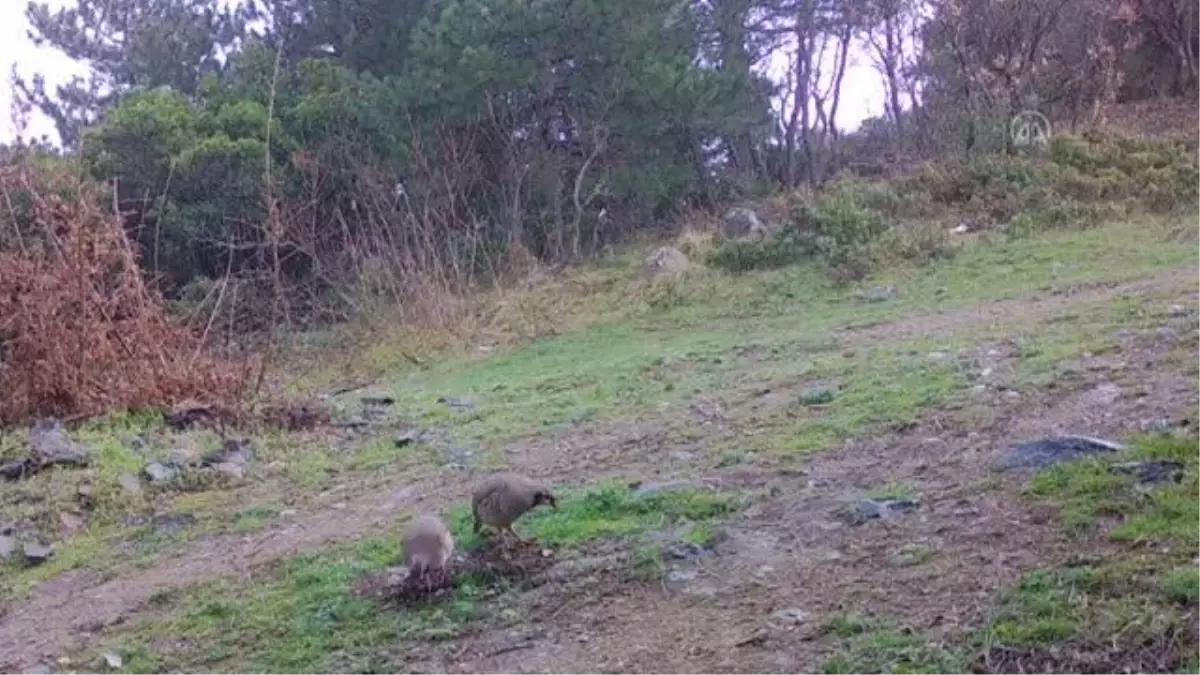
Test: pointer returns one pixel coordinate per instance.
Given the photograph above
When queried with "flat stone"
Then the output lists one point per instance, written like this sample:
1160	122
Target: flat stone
130	483
792	616
868	509
7	546
159	473
36	554
50	444
1046	452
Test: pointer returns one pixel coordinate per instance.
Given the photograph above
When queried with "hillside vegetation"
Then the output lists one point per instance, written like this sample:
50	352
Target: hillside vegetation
810	398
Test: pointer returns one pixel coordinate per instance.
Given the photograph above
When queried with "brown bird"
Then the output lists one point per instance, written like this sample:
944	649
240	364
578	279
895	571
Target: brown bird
427	545
505	497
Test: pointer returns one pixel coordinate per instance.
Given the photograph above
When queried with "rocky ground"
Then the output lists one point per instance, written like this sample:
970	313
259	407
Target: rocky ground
815	480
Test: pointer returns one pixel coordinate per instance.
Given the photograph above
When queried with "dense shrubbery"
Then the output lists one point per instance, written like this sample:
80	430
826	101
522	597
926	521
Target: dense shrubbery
80	332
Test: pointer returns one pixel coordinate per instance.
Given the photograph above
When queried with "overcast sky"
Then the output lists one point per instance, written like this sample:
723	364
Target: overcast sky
862	94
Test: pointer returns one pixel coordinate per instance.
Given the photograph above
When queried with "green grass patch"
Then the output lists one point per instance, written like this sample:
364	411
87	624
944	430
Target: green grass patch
301	617
1087	491
865	646
611	510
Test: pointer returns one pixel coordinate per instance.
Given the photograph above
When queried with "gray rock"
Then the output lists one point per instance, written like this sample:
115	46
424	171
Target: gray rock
742	223
7	546
130	483
792	616
41	668
113	660
867	509
50	444
677	576
1152	471
36	554
879	293
1046	452
233	451
158	473
458	404
665	259
1180	310
231	469
686	550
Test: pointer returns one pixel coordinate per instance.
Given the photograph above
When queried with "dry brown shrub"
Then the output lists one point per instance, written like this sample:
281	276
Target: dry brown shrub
80	332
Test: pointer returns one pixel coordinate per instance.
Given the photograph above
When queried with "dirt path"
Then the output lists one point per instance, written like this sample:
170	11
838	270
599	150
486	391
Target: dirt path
788	552
793	552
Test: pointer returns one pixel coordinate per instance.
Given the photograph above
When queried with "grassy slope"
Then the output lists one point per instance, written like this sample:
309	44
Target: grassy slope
646	353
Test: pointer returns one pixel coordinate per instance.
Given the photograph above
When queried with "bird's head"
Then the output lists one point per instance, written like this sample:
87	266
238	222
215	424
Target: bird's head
545	497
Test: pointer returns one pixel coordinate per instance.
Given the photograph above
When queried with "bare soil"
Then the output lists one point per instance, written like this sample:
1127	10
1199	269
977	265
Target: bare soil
790	550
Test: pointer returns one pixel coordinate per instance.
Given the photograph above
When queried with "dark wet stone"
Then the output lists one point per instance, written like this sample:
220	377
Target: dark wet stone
15	470
1050	451
378	401
1151	472
867	509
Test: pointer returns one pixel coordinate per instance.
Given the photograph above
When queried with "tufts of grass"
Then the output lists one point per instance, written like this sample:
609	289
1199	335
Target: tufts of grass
877	650
1087	491
1182	584
1044	608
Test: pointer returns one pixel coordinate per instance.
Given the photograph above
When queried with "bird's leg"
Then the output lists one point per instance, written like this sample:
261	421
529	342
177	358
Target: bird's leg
510	530
527	542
